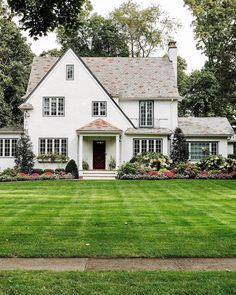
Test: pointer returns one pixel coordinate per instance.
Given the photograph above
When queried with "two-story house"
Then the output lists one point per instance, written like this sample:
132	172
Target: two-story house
94	109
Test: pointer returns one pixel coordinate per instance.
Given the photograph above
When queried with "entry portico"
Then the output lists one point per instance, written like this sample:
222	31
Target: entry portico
98	143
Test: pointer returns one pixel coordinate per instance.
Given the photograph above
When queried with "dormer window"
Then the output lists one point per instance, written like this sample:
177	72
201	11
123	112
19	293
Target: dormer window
146	113
99	108
69	72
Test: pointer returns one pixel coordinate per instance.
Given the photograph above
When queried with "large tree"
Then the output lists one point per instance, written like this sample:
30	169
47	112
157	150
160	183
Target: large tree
15	60
145	29
95	36
41	16
215	30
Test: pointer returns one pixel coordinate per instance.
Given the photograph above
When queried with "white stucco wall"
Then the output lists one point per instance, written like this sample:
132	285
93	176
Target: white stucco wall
165	112
79	95
231	148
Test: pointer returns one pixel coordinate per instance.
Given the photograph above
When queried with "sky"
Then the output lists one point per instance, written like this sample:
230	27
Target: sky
175	8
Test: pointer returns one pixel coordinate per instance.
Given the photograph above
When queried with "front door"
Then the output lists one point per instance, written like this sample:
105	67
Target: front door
99	154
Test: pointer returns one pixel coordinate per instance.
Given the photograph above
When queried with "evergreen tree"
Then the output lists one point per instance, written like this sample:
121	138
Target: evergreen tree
24	158
72	168
179	148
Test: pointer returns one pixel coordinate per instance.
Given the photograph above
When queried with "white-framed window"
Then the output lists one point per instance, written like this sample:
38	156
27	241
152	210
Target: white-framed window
142	145
54	106
8	147
146	113
57	146
201	149
69	72
99	108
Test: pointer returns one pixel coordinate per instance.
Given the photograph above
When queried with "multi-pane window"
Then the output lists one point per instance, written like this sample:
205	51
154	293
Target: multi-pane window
199	150
69	72
53	106
53	146
99	108
147	145
8	147
146	113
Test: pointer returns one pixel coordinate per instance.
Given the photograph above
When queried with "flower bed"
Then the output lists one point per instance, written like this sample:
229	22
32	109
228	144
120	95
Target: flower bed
9	175
153	166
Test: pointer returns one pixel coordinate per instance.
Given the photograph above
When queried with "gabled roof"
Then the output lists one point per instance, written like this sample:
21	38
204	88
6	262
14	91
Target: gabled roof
205	126
126	77
99	125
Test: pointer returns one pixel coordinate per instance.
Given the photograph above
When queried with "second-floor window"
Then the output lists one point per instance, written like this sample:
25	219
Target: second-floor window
8	147
54	106
69	72
53	146
99	108
146	114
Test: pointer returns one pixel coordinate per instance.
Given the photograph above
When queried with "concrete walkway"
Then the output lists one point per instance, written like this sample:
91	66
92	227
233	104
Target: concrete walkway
90	264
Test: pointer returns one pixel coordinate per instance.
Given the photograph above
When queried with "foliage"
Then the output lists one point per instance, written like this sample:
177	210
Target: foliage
52	52
38	171
145	29
52	158
112	163
41	16
15	61
128	168
217	162
95	36
200	92
152	160
182	76
24	157
9	172
179	147
72	168
85	165
215	31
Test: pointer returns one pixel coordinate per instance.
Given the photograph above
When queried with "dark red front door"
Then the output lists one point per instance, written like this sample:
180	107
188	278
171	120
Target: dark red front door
99	156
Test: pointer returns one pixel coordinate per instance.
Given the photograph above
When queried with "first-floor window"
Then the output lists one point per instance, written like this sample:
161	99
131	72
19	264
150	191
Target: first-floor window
54	106
8	147
142	145
199	150
53	146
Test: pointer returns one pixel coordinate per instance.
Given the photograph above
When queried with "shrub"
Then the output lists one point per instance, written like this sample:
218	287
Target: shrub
151	160
191	171
72	168
179	147
217	163
24	157
128	168
212	172
85	165
38	171
180	168
59	170
112	163
232	156
9	172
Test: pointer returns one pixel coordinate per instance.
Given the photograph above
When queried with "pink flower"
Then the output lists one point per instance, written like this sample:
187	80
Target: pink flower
34	175
169	174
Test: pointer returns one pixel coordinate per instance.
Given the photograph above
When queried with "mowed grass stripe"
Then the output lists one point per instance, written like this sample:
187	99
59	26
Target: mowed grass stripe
118	218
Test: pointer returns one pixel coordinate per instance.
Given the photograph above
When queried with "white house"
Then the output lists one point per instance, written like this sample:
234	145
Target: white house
98	109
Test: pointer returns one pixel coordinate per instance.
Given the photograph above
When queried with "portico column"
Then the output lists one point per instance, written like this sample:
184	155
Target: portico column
117	151
81	152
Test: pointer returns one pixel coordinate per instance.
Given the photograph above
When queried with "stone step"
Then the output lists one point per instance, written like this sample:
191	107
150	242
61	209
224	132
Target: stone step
99	175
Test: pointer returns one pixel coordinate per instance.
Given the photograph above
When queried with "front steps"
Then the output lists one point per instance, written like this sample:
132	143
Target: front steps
98	175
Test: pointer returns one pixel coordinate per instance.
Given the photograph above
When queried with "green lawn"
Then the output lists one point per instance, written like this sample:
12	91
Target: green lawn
118	283
118	218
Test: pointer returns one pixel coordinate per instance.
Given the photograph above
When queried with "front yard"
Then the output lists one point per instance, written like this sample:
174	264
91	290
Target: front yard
119	283
184	218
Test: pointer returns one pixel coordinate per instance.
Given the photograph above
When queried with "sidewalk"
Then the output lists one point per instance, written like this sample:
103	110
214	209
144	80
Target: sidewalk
91	264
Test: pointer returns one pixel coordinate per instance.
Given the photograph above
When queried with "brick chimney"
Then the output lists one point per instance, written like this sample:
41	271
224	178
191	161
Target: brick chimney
172	52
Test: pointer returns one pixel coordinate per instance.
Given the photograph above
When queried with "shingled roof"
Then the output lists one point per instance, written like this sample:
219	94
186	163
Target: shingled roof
99	125
205	126
128	78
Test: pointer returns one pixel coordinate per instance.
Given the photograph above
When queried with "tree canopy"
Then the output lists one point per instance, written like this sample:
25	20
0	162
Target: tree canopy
41	16
15	60
145	29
